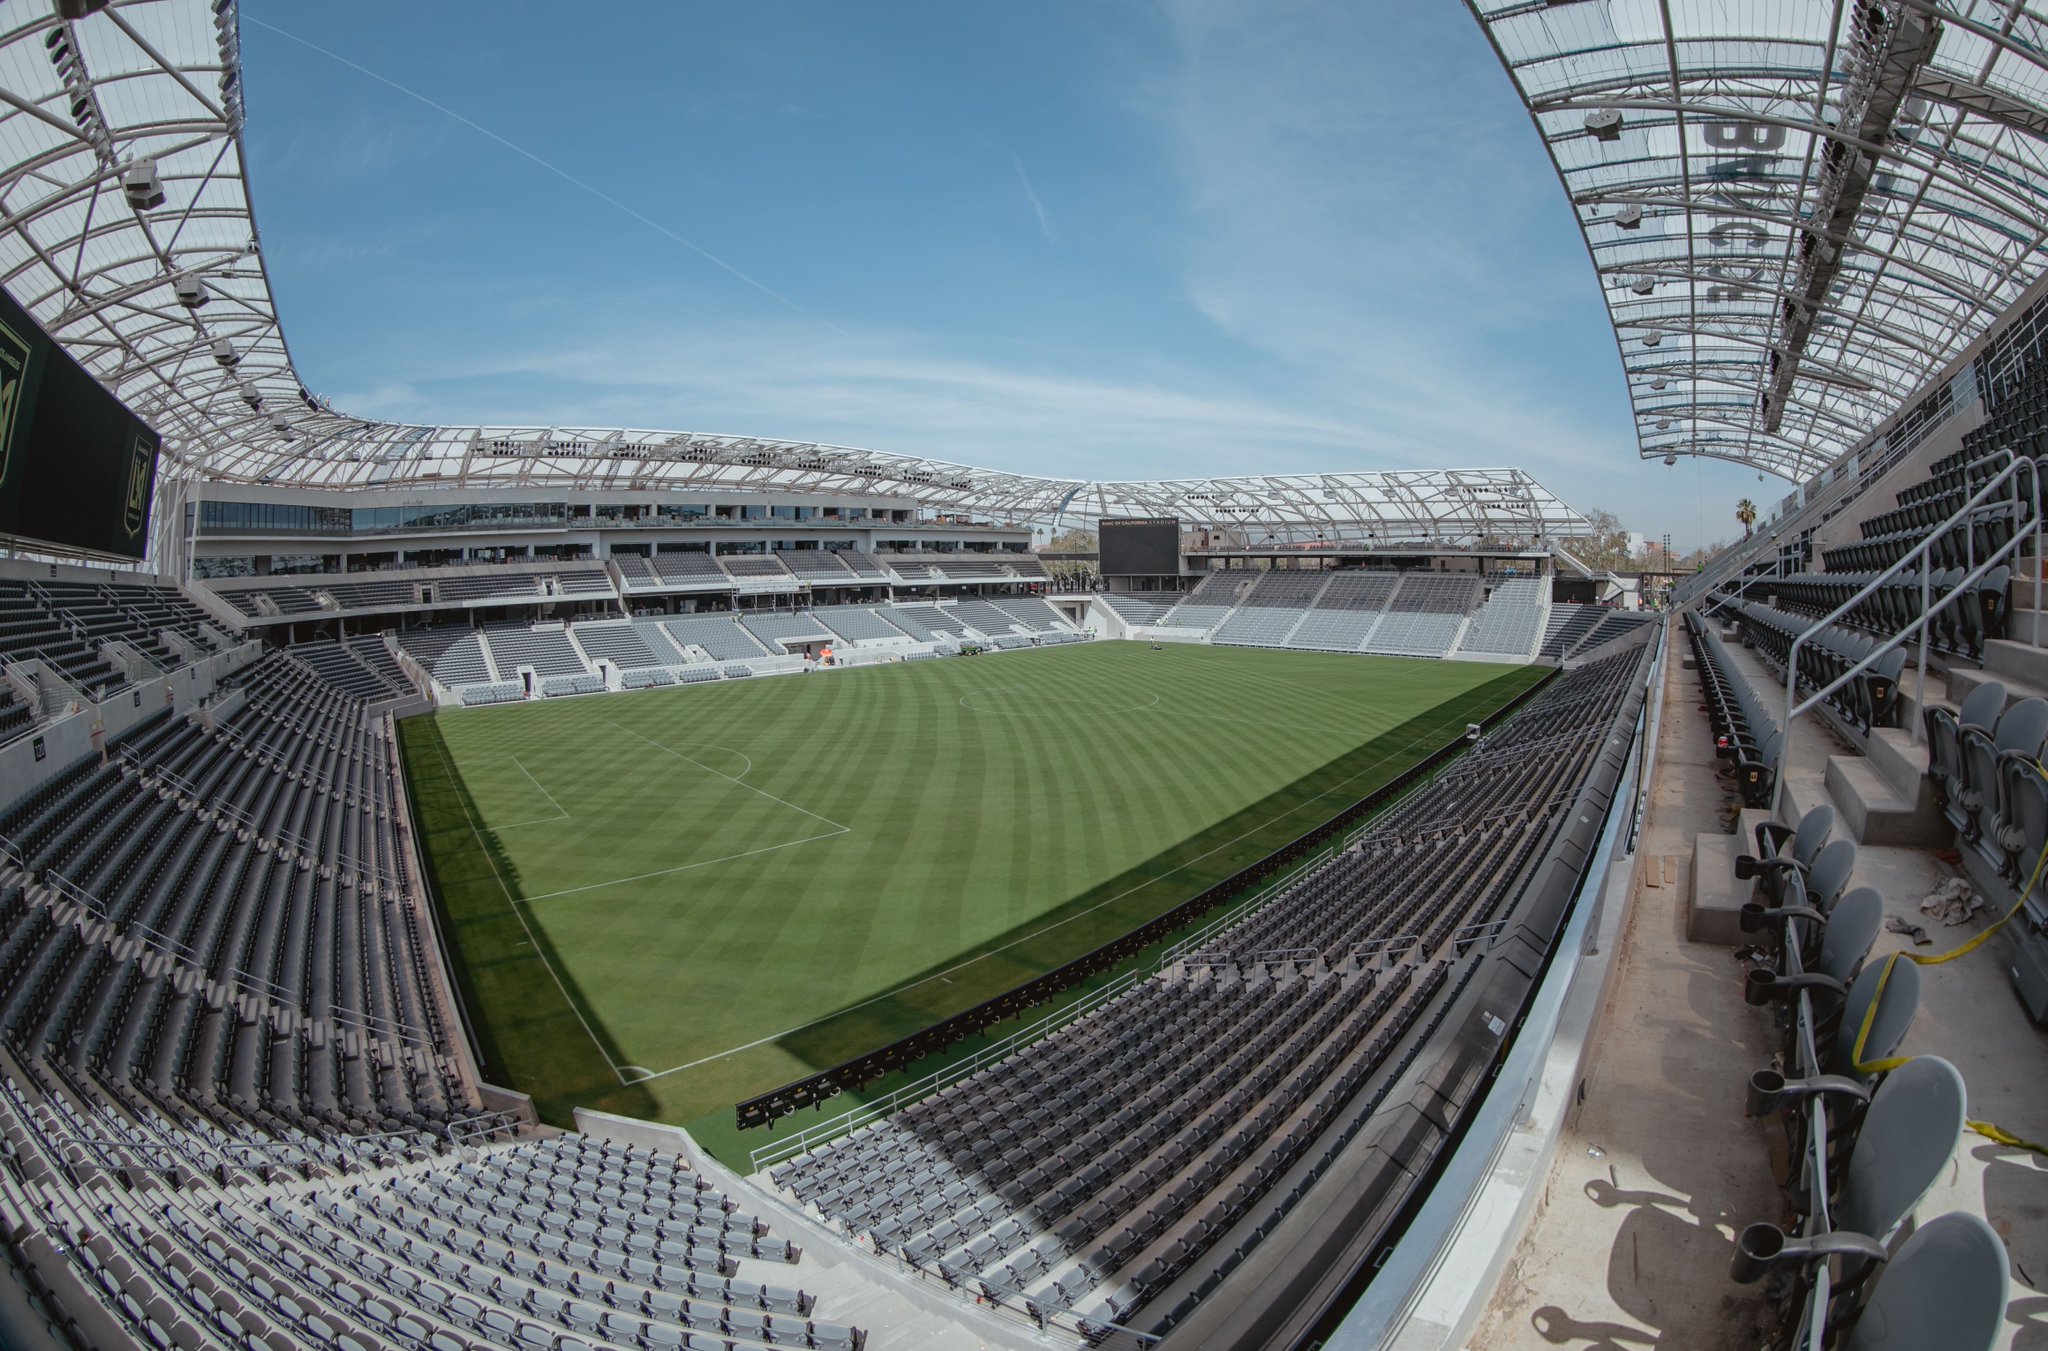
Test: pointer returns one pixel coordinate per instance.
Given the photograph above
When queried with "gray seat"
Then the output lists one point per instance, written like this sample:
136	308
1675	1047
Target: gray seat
2023	832
1829	874
1798	845
1895	1014
1852	928
1906	1140
1944	740
2021	730
1944	1290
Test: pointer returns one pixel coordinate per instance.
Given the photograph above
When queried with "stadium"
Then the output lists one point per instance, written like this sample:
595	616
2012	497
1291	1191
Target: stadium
561	888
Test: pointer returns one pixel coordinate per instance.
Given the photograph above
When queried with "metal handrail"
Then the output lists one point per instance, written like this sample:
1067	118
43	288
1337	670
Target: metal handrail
1191	944
2016	465
855	1117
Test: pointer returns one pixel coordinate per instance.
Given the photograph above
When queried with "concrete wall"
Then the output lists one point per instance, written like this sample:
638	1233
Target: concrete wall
66	740
628	1130
1882	496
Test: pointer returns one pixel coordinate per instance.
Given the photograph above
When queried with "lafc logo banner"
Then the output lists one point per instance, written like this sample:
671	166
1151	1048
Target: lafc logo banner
14	354
141	470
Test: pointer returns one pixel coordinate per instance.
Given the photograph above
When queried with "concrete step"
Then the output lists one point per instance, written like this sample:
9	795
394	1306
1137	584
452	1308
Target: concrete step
2020	624
1714	908
1871	811
2020	661
1804	792
1962	682
2026	593
1901	760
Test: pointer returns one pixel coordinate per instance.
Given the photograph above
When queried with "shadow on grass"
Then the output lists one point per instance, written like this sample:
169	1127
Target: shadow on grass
1098	916
531	1024
538	1034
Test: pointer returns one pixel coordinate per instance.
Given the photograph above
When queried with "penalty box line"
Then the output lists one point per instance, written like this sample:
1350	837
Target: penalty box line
513	902
837	828
561	812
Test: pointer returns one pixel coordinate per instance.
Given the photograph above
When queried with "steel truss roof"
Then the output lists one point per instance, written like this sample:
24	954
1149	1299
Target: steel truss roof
88	107
1799	210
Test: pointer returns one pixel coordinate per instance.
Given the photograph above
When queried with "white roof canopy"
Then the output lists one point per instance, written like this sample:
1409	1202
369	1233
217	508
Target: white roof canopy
1799	210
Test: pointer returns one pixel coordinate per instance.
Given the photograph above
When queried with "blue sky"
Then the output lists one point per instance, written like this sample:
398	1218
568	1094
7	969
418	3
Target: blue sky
1106	238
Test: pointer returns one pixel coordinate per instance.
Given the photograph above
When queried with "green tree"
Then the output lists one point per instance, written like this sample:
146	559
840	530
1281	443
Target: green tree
1745	512
1603	547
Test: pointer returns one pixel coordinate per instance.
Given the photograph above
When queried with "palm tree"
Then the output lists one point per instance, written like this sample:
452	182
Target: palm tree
1745	512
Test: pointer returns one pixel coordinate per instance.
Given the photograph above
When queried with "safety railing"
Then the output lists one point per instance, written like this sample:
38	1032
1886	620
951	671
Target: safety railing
1848	482
482	1128
2017	468
1192	944
853	1119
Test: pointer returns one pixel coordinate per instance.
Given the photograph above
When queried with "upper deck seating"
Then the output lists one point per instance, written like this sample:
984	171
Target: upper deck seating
819	567
719	635
690	567
619	643
1511	621
1139	609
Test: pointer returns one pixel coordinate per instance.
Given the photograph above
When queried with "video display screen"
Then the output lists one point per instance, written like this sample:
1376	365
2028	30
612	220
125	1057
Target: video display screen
77	469
1140	546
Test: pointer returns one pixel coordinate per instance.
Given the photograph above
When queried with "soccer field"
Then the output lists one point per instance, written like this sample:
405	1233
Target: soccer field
664	902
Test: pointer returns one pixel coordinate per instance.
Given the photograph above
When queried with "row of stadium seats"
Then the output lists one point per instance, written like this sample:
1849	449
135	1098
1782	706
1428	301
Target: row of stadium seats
204	888
1746	731
361	666
1960	628
1868	1136
63	625
1143	1146
1420	614
1984	760
564	1244
480	662
1952	480
311	596
308	596
1868	699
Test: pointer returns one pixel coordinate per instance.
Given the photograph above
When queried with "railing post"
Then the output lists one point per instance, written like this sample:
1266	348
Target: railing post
1926	599
1923	551
2035	580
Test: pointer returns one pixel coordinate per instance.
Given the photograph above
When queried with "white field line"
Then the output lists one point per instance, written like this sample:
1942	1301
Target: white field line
837	827
683	867
510	900
1151	707
982	956
536	783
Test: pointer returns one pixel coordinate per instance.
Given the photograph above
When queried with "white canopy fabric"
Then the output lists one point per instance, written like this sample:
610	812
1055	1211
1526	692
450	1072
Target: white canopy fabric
1799	210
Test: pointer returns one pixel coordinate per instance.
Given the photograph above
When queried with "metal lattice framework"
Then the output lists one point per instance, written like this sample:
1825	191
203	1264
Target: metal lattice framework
125	228
1800	210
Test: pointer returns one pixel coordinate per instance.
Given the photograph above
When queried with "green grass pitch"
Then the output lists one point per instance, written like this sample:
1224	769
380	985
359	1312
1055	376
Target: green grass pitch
660	904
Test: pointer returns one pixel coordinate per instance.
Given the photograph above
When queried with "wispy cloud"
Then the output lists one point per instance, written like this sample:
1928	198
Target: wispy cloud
891	392
1045	226
356	248
552	168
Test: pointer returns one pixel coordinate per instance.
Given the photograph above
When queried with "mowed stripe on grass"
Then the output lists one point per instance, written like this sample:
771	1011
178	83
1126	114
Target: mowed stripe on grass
809	867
